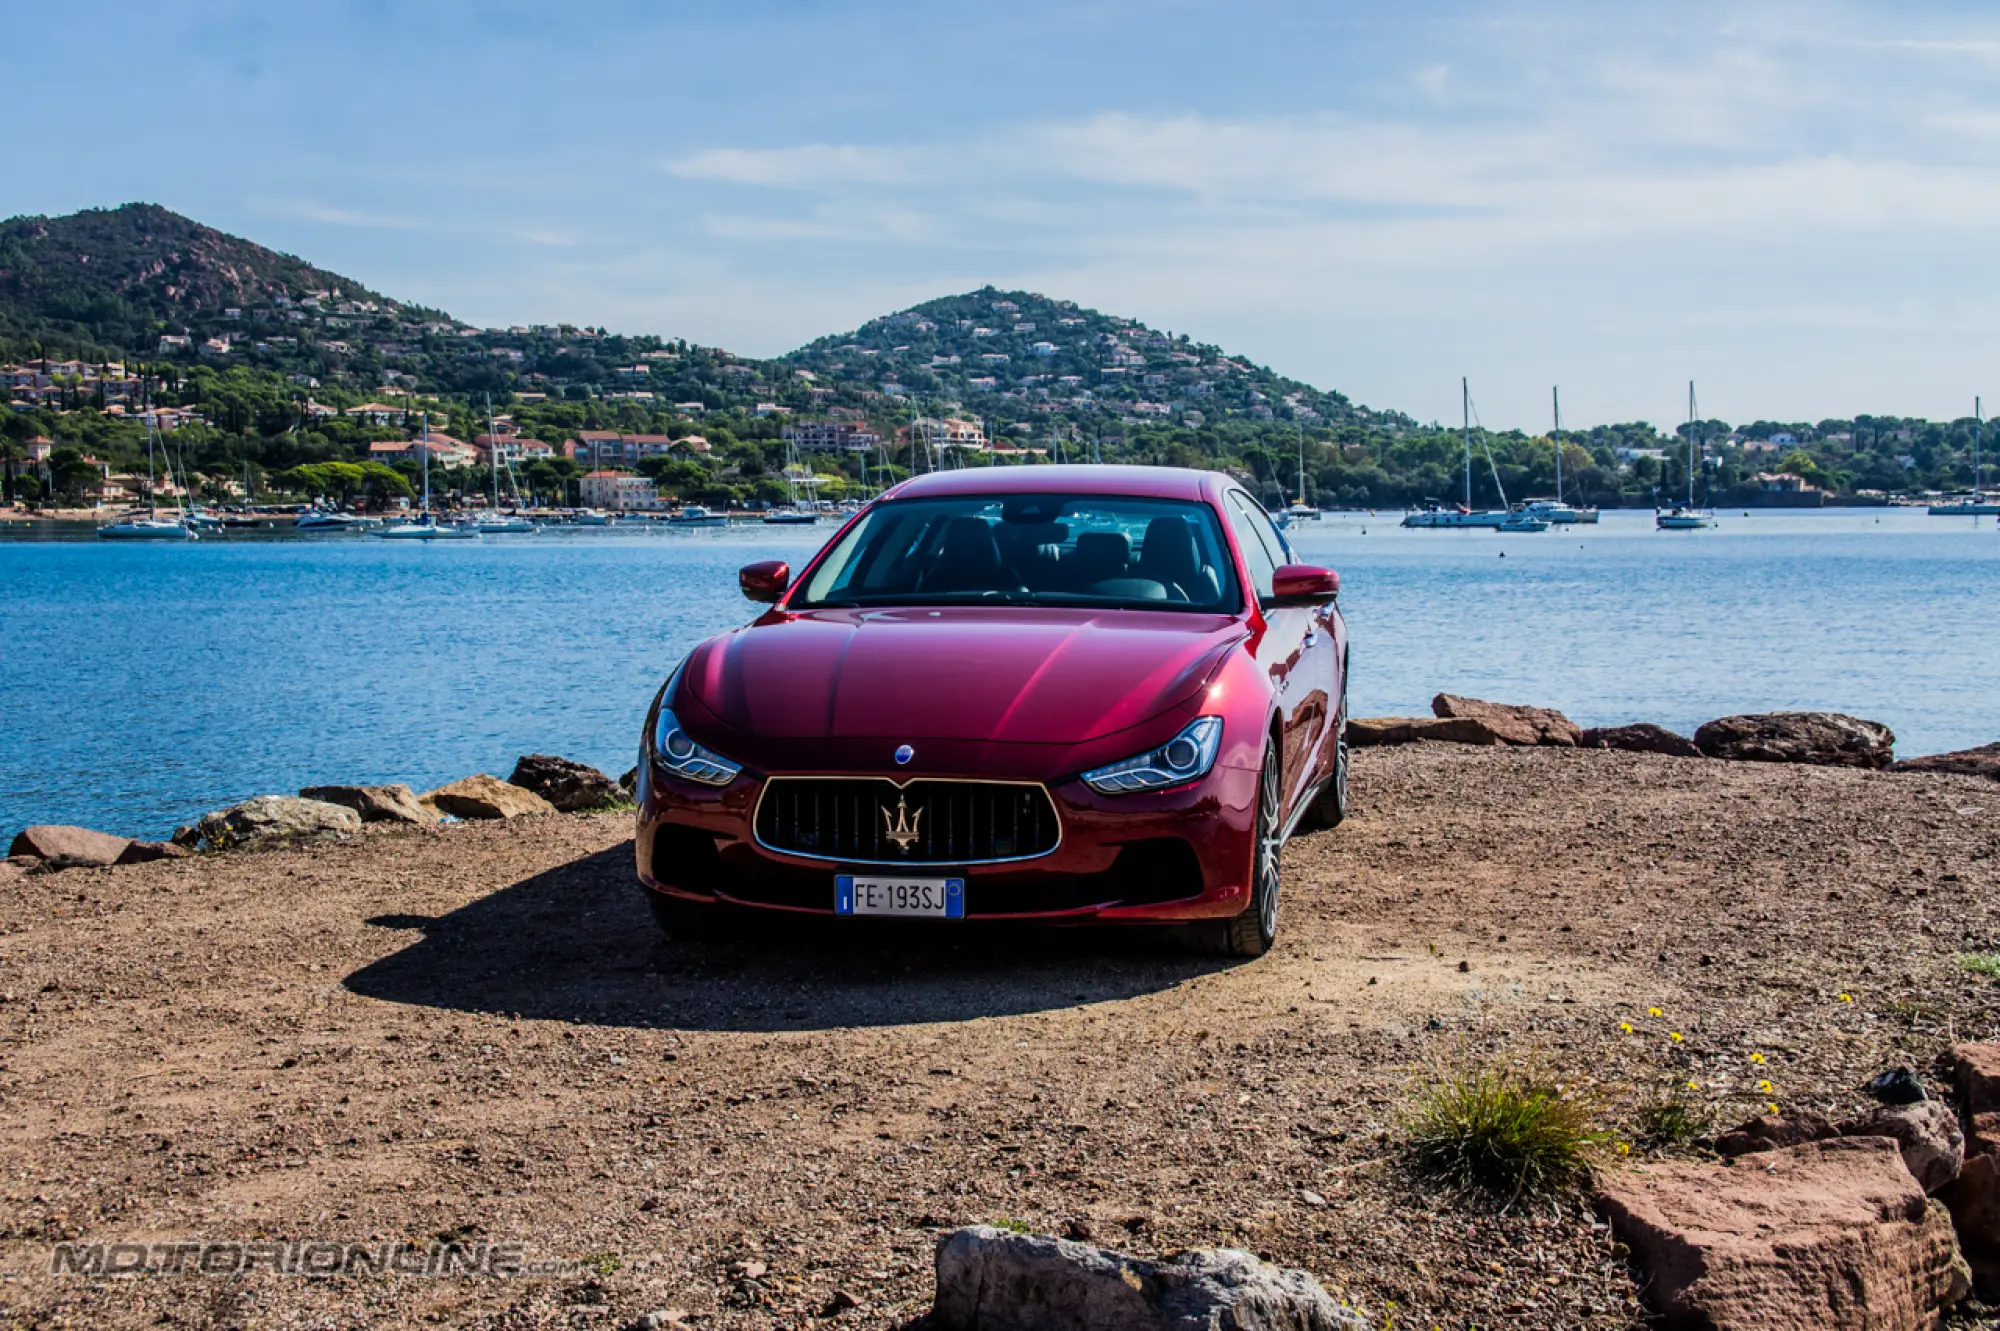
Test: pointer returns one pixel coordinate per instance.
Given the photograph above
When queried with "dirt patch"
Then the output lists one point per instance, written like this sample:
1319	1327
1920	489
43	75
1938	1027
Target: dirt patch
475	1031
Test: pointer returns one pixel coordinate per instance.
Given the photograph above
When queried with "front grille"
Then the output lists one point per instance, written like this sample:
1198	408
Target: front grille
871	820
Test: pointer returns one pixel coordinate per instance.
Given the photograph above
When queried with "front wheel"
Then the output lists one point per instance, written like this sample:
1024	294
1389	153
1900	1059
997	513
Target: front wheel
1251	933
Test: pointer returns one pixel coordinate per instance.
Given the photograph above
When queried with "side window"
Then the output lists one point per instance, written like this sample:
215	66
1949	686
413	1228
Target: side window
1258	551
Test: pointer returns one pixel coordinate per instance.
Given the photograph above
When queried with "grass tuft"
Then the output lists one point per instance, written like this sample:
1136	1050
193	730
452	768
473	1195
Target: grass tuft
1504	1129
1981	963
1671	1117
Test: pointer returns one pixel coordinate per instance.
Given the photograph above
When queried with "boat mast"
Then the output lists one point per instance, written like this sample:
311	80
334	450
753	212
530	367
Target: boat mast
1465	410
1978	429
1302	466
1693	431
493	452
427	462
1555	437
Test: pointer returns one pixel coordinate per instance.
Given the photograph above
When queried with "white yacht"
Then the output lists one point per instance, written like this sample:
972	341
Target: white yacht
152	527
324	520
1686	517
694	515
426	527
1435	516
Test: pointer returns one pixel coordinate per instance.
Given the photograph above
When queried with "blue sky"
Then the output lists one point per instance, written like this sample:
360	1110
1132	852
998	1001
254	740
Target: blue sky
1795	205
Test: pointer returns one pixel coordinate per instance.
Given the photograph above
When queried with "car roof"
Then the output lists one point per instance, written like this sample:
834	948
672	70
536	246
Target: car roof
1143	482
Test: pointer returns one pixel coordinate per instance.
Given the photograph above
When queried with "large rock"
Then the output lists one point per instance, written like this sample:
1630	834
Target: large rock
375	804
145	852
276	820
992	1280
569	786
1370	731
484	796
1639	737
1975	1077
1830	1235
1926	1133
71	847
1982	761
1514	724
1825	739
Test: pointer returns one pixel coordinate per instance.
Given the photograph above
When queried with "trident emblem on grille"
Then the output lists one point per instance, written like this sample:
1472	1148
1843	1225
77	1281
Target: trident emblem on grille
902	829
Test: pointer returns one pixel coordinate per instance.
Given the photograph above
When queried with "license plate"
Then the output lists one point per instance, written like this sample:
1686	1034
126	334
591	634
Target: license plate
938	898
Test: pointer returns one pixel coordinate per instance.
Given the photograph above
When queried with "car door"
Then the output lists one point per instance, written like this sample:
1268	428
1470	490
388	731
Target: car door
1285	649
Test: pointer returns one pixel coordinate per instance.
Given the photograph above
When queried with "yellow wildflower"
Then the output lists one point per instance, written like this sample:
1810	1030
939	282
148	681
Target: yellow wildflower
1652	1012
1773	1107
1694	1086
1675	1036
1625	1026
1756	1058
1844	998
1624	1148
1764	1086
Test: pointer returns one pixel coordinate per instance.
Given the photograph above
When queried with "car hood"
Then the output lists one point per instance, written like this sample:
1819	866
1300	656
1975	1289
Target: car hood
1008	674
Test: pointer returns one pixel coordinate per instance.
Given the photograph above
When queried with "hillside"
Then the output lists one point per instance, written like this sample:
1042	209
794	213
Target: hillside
1032	364
283	363
121	276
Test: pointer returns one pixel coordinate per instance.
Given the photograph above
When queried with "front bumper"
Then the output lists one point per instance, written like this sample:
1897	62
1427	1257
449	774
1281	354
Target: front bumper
1176	855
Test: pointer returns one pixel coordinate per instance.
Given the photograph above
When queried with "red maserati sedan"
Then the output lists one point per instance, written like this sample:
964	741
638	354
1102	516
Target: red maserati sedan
1047	693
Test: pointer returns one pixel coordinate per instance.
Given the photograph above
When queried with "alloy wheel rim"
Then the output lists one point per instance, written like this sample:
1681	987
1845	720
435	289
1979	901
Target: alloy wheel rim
1268	845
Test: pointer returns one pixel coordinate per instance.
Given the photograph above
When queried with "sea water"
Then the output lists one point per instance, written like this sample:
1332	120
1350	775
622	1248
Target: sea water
144	684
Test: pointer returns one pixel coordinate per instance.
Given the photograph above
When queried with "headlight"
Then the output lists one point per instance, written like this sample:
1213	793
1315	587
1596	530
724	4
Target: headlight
679	754
1181	759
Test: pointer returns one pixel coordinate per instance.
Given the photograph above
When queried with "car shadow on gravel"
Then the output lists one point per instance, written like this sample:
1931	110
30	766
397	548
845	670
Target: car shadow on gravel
577	943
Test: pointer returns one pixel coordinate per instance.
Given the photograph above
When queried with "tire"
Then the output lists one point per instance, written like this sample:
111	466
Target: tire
682	920
1252	933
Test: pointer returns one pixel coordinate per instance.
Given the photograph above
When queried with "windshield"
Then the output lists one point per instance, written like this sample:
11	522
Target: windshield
1029	549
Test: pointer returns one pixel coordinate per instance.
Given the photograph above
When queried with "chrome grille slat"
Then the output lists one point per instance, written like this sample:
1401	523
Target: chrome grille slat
962	822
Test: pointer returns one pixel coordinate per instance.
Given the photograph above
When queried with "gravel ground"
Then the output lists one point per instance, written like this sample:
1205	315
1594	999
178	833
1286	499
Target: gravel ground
475	1032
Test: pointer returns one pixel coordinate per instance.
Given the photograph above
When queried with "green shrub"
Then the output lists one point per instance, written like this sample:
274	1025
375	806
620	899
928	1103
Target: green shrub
1505	1129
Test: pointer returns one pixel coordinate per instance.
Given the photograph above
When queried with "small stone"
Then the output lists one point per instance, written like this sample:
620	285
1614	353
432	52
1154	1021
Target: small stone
1311	1198
841	1302
1897	1086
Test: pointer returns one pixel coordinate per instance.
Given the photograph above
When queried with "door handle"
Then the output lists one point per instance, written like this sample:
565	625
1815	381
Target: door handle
1312	637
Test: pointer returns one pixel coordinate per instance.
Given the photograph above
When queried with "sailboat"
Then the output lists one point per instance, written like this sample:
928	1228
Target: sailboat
152	527
1299	510
1976	504
1555	510
427	527
1686	517
1435	515
493	520
791	515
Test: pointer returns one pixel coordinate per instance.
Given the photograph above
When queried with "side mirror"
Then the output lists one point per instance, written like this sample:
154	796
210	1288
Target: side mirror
765	580
1304	584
